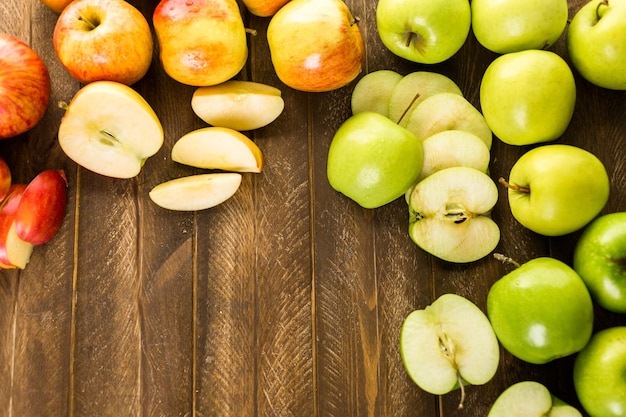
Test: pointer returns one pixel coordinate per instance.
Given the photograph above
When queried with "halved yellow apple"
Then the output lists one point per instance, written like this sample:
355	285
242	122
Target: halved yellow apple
239	105
196	192
110	129
218	148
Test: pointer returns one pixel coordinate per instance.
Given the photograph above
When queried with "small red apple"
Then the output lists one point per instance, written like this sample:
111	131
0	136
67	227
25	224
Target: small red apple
24	87
14	252
42	208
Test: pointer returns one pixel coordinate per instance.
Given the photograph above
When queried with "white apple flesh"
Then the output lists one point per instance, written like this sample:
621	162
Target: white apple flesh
196	192
530	399
373	91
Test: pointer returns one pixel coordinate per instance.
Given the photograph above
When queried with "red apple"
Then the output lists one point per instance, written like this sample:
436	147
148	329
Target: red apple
14	252
5	179
42	207
103	40
24	87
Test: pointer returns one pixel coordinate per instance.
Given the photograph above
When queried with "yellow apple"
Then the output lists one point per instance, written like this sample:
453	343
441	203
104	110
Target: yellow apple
196	192
218	148
99	40
110	129
202	42
315	45
264	8
239	105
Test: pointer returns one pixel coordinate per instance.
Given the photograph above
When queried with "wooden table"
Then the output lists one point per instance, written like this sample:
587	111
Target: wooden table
287	300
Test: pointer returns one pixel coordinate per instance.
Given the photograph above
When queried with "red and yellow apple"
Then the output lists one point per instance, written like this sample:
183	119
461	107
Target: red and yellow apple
5	179
202	42
315	45
56	6
14	252
98	40
24	87
264	8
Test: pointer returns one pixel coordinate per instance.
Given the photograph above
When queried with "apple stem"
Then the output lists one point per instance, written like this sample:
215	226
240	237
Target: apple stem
64	105
410	38
462	388
91	24
408	107
506	259
355	21
513	187
602	3
251	31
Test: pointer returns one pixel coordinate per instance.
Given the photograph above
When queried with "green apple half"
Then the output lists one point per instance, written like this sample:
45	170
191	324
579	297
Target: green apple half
600	374
450	214
557	189
373	160
530	399
449	344
541	311
600	260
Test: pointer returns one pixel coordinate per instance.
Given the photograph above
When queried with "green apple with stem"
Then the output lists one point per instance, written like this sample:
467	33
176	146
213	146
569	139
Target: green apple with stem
505	26
528	97
450	214
600	260
600	373
541	310
530	399
373	160
595	43
557	189
423	31
449	344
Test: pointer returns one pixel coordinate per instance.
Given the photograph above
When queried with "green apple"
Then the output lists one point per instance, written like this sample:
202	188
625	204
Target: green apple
505	26
530	399
600	374
372	160
541	311
449	344
528	97
600	260
450	214
595	43
557	189
373	91
423	31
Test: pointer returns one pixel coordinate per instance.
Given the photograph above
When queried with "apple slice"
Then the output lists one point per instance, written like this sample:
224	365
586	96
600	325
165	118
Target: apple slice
530	399
448	111
110	129
239	105
14	252
413	88
5	179
449	214
196	192
449	344
373	91
42	208
218	148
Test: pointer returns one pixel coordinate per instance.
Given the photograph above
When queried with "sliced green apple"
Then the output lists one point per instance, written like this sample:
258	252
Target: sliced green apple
218	148
196	192
110	129
450	214
530	399
373	91
449	344
239	105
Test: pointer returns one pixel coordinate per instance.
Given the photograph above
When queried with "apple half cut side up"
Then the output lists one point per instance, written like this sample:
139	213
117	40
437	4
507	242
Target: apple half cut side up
196	192
14	252
110	129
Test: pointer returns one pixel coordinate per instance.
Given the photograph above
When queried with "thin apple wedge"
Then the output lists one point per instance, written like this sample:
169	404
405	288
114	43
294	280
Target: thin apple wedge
196	192
14	252
239	105
218	148
42	207
110	129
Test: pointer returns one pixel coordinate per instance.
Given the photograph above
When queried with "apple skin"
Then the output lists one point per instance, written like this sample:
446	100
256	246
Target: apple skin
423	31
600	374
595	43
24	87
600	260
505	26
264	8
373	160
14	252
42	207
5	179
541	311
202	42
563	187
315	45
528	97
56	6
103	40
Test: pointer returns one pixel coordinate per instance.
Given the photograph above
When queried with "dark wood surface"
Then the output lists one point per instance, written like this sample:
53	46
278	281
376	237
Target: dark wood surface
287	300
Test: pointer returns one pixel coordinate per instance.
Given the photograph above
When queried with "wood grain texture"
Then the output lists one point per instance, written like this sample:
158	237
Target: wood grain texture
286	300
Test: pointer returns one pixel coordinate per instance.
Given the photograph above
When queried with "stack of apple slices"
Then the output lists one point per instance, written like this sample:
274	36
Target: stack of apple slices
30	214
451	202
